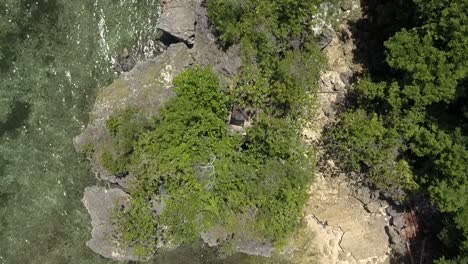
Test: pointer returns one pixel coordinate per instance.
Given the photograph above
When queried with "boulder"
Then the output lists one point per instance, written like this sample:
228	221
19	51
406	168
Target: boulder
207	51
326	38
392	211
347	5
255	248
178	19
242	242
399	222
392	235
100	203
373	207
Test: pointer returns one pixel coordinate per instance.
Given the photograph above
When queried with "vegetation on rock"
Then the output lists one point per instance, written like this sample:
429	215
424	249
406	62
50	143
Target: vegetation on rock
187	162
207	176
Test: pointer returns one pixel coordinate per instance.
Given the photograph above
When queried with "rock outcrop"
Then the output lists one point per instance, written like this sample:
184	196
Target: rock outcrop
100	203
345	227
355	233
335	82
148	86
349	222
242	242
178	19
206	50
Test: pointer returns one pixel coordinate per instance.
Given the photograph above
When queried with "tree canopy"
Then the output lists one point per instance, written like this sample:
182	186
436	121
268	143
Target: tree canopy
412	127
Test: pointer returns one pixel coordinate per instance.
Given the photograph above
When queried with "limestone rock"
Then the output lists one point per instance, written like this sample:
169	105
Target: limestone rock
347	5
207	52
363	233
326	38
391	211
178	19
243	242
100	202
255	248
398	221
392	234
373	207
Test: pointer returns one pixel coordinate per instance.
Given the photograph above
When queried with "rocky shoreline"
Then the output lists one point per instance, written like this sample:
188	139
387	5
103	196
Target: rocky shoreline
186	40
350	224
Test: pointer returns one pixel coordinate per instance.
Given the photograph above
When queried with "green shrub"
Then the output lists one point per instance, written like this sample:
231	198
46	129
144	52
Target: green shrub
88	150
213	177
124	128
138	227
411	129
362	143
281	60
118	166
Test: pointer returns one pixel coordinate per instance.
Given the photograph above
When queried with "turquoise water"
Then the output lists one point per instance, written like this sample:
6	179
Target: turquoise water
55	55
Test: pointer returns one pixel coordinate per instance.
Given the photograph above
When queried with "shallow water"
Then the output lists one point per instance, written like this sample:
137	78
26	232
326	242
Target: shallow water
55	55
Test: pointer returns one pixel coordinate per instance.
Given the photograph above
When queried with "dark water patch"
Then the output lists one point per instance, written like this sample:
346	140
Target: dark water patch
41	10
17	118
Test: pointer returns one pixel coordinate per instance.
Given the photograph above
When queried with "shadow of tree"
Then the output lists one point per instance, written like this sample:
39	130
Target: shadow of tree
381	20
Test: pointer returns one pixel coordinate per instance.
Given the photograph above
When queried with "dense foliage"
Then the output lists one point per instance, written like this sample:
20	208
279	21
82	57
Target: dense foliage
206	176
280	56
192	174
409	132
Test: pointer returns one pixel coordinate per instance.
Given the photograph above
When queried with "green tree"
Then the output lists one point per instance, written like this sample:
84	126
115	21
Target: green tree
415	117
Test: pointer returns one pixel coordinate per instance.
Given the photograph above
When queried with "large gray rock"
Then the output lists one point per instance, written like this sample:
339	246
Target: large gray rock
255	247
242	241
100	203
206	50
178	19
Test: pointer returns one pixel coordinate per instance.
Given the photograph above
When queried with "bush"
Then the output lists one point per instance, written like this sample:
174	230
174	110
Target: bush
214	177
419	135
281	59
362	143
124	128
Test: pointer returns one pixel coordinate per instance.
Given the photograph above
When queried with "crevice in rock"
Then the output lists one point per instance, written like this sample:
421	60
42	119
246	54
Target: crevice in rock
167	39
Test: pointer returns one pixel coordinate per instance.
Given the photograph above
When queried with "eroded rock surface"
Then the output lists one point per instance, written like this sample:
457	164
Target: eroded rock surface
349	222
147	87
100	203
359	235
178	19
336	81
206	50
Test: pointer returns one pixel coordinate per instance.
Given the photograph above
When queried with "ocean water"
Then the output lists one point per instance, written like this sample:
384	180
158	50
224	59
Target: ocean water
55	56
